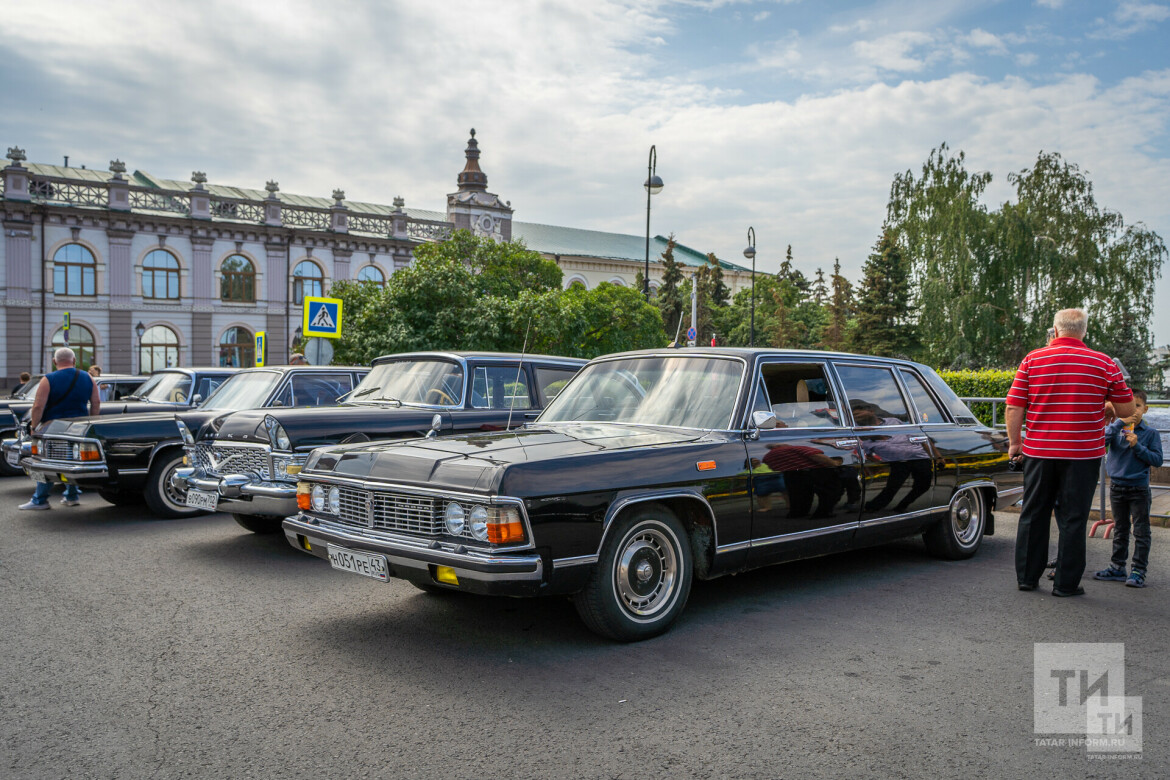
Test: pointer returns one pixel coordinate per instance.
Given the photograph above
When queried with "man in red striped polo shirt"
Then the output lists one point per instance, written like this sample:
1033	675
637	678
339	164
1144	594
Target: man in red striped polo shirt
1061	389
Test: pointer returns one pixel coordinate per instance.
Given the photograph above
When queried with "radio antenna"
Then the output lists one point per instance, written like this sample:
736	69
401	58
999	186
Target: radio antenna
519	368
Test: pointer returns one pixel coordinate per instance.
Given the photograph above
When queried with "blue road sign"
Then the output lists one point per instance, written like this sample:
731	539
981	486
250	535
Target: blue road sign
322	318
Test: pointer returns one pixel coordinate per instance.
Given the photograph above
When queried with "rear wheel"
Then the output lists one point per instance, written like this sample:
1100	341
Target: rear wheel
122	497
959	534
259	524
642	578
9	471
163	498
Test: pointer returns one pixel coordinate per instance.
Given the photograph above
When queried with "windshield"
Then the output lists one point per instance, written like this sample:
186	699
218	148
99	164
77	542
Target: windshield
165	387
687	392
430	382
245	390
28	390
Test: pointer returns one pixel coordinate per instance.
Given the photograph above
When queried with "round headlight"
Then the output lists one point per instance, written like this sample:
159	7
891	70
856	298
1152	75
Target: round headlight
334	501
454	518
479	518
318	496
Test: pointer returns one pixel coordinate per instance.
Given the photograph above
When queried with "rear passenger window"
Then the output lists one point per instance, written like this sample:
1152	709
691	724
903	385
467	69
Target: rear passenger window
500	387
928	410
550	382
316	389
798	394
874	397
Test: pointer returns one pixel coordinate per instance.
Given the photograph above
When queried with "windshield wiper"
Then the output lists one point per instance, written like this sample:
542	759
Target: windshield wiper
367	391
389	398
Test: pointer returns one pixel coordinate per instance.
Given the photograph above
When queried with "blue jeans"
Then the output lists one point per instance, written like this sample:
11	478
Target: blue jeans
41	496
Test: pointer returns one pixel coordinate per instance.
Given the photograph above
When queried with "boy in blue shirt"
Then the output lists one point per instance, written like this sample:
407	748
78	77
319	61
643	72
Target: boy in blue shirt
1134	448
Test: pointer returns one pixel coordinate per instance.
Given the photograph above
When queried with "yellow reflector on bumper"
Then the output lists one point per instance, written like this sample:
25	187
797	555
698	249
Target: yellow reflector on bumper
446	575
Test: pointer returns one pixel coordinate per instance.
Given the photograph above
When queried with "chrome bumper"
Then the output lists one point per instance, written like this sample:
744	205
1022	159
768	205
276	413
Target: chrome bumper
414	559
21	447
54	468
241	493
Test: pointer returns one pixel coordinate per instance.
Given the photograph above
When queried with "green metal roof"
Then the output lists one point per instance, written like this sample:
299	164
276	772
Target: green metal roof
575	242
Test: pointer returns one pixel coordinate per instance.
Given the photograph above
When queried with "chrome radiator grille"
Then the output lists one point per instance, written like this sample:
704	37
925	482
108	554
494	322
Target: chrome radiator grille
390	512
219	459
55	449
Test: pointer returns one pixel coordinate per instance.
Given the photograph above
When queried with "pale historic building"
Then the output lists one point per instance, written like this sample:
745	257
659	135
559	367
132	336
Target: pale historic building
156	272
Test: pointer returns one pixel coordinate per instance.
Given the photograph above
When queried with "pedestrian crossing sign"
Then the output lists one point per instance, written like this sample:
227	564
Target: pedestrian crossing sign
322	318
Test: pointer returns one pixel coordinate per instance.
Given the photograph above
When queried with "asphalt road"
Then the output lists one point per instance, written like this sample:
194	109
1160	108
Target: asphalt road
132	647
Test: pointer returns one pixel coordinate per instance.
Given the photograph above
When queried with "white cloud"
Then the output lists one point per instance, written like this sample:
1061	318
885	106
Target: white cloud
1129	19
1026	59
1142	12
761	16
896	52
1053	4
981	39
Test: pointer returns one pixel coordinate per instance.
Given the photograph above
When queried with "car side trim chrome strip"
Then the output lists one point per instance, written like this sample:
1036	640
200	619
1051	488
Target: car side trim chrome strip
904	516
798	535
579	560
1009	492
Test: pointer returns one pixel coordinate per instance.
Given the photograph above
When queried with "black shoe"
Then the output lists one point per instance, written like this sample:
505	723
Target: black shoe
1079	591
1051	574
1051	564
1025	586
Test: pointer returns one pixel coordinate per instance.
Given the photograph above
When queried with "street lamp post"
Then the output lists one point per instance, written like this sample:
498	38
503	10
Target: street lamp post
653	186
750	254
139	330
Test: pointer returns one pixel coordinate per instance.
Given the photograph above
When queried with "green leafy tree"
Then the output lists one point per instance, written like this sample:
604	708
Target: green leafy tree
840	311
883	306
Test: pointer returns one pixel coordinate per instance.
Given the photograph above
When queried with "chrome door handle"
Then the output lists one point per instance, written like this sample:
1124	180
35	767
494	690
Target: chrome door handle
845	443
919	439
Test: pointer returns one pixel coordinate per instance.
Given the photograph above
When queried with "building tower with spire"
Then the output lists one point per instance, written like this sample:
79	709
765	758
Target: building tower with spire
473	207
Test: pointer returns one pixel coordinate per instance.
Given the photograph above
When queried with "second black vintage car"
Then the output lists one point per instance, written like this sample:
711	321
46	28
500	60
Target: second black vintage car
248	463
652	469
127	458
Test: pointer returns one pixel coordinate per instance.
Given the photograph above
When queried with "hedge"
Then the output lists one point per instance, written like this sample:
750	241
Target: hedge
986	383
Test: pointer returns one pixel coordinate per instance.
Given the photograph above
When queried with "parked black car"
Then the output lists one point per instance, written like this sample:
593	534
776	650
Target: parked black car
248	463
653	468
130	457
113	387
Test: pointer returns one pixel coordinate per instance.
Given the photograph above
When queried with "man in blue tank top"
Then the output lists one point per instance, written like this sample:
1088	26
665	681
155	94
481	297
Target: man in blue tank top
66	392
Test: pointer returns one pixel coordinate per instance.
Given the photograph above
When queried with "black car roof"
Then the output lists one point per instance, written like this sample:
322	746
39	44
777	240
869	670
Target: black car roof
750	353
509	356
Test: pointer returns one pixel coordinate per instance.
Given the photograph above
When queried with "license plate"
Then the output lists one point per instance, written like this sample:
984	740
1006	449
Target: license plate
38	476
13	457
202	499
355	562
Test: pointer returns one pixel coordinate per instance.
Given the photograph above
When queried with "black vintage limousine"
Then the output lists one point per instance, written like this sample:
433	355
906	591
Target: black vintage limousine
651	469
131	457
248	463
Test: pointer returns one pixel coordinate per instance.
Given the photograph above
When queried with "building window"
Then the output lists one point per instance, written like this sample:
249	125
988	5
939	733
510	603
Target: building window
236	348
160	276
82	343
307	281
74	271
158	349
239	280
371	273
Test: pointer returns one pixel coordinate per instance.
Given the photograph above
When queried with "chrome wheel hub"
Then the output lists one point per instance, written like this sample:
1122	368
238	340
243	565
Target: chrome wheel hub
646	574
967	517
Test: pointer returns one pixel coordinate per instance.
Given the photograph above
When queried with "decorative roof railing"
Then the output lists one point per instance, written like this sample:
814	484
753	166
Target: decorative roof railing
60	191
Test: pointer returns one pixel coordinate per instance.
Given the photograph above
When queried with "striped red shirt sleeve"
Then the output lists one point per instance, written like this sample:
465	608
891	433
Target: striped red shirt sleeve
1018	394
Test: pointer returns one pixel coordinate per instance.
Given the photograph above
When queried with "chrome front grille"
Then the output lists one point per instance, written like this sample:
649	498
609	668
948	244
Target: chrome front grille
55	449
220	459
390	512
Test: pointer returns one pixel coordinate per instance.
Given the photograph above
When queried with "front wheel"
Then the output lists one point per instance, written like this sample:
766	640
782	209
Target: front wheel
163	498
959	534
642	578
259	524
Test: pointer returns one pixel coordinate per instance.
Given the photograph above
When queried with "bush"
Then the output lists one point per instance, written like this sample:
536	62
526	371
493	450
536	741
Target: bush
986	383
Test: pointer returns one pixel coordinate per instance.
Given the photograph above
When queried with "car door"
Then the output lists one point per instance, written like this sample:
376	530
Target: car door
929	415
804	471
499	395
897	462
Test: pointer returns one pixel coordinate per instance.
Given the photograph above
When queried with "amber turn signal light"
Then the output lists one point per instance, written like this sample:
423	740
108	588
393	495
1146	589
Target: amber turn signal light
304	496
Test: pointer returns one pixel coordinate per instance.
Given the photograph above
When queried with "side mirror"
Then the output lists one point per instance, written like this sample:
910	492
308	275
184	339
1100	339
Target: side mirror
196	399
436	424
762	421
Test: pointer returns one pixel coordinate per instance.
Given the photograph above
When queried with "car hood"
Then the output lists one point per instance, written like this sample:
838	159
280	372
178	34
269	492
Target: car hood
479	462
313	426
154	425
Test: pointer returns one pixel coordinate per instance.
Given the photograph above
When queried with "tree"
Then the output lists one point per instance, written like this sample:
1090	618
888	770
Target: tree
503	268
669	299
820	291
840	311
883	305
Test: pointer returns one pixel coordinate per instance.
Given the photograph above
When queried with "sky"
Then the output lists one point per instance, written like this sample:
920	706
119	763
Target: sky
789	116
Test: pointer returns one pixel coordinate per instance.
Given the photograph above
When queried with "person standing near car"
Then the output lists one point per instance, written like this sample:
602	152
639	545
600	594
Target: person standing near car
1060	391
62	393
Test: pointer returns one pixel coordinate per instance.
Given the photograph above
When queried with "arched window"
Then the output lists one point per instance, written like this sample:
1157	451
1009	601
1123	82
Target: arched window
82	343
307	280
236	348
239	280
74	271
159	348
160	276
371	273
